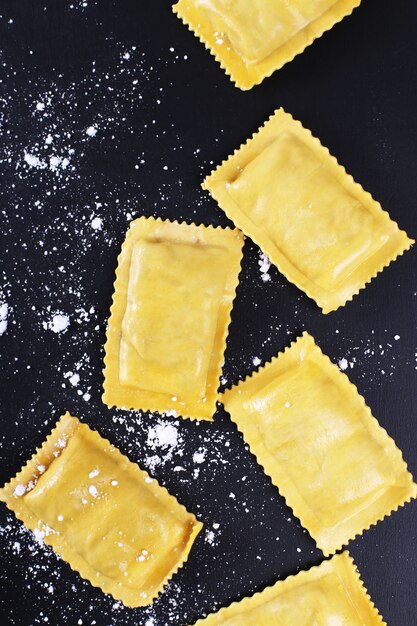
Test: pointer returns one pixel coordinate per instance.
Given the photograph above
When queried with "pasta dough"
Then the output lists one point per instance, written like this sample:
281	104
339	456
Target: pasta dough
319	227
329	594
171	310
253	38
312	432
107	518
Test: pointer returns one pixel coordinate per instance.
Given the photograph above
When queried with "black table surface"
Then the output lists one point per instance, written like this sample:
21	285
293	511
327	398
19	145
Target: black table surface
159	114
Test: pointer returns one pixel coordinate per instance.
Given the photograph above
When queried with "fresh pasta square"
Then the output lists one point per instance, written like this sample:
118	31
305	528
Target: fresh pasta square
106	517
167	332
321	229
253	38
312	432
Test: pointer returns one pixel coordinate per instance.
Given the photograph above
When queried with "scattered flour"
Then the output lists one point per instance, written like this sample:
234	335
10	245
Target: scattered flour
74	379
97	223
91	131
34	161
93	491
162	436
16	547
4	312
343	364
199	456
163	441
58	323
39	535
210	537
264	265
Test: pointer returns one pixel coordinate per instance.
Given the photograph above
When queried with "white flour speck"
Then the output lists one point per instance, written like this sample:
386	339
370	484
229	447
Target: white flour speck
93	491
210	537
343	364
19	491
256	361
58	323
54	162
74	379
91	131
264	265
34	161
162	436
39	535
97	223
199	456
4	312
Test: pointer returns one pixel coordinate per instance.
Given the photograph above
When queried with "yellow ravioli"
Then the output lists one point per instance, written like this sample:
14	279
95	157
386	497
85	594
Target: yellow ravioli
331	594
310	429
106	517
320	228
253	38
173	295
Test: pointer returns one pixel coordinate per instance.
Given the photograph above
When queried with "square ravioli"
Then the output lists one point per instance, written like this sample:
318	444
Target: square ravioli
312	432
331	594
320	228
253	38
174	290
106	517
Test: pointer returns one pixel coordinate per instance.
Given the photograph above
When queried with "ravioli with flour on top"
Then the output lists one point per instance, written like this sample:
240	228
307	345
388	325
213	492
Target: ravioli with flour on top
102	514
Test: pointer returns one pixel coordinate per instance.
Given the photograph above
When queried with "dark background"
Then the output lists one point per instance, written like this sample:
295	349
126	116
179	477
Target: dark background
159	100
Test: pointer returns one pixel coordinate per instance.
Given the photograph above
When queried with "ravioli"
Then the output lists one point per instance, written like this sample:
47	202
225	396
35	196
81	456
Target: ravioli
106	517
312	432
320	228
174	291
330	594
253	38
